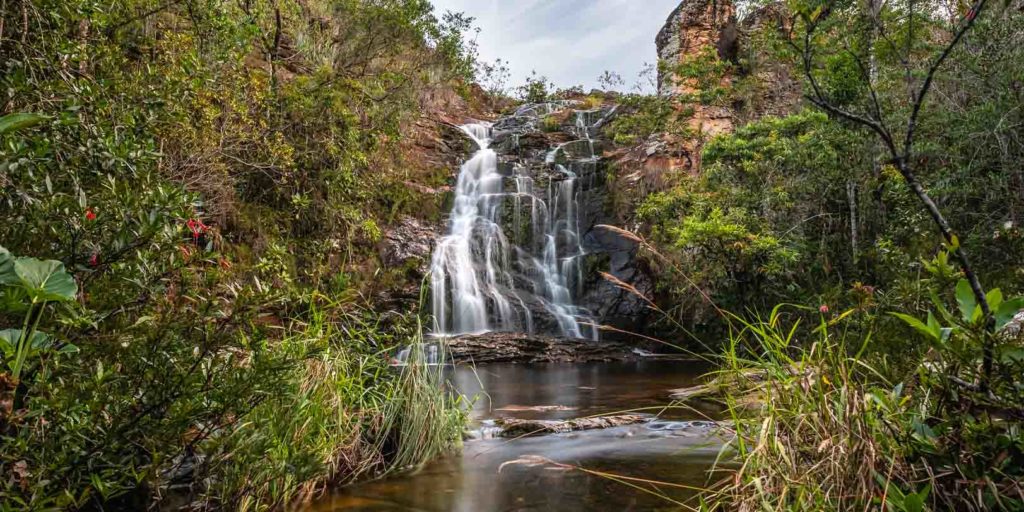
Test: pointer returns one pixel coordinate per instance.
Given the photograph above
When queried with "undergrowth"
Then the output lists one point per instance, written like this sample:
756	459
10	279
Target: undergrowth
822	424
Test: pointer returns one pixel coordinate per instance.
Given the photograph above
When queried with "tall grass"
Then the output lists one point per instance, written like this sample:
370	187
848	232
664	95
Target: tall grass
819	427
344	414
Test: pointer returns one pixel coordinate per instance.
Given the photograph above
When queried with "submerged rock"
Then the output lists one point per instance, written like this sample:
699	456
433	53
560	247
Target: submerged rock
524	428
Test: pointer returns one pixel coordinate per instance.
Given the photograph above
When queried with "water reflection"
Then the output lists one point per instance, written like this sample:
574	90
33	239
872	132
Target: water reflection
481	478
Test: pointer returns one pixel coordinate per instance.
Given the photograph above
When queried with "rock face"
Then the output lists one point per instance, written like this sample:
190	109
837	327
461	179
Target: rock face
775	87
695	26
1015	329
408	244
701	28
538	251
698	30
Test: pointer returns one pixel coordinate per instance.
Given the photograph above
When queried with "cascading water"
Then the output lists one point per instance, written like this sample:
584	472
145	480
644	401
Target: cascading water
470	268
513	250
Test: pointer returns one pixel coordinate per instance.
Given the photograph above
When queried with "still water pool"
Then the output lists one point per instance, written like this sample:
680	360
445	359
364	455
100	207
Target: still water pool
678	448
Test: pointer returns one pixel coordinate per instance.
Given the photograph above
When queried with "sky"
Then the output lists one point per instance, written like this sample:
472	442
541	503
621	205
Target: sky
571	42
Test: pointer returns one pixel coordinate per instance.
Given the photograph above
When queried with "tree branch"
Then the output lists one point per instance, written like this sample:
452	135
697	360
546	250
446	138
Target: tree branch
972	15
902	161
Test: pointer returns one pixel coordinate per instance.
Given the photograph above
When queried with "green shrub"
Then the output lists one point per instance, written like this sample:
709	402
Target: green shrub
204	182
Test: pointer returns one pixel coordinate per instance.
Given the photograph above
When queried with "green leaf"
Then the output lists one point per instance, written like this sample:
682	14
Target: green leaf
68	349
941	308
6	266
920	326
9	341
14	122
45	281
994	298
965	299
934	326
914	502
41	341
1008	310
1011	355
13	300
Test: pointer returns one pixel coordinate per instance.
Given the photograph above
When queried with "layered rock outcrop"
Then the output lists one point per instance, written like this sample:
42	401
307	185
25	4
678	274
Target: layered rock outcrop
695	26
702	34
698	29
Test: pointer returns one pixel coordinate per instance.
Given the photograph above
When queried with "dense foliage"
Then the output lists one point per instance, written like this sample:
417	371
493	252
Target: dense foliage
211	174
897	382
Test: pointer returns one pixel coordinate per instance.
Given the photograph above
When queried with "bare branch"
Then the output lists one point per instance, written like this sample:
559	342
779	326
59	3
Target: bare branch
971	16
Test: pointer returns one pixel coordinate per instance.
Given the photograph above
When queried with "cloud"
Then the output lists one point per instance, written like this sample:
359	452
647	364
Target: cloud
571	42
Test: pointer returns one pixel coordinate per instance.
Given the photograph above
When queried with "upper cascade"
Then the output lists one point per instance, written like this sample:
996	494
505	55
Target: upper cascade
512	258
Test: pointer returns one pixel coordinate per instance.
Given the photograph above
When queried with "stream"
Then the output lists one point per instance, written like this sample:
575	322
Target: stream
678	447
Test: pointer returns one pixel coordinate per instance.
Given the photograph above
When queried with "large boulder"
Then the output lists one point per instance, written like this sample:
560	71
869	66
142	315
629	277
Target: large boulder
409	244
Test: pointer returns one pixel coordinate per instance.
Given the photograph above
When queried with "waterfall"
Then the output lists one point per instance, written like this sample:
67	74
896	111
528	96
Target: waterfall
512	254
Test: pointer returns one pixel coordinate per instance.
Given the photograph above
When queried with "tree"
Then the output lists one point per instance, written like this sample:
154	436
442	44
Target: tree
826	25
610	81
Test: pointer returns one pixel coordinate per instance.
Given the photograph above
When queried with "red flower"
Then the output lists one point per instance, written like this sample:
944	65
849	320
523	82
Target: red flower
197	228
823	309
94	260
90	215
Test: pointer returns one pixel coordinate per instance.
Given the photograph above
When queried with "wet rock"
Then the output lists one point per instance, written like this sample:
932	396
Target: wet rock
621	307
525	428
409	243
1015	329
503	347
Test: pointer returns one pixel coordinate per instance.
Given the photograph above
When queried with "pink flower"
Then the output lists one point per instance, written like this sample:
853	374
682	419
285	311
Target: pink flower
90	215
94	260
823	309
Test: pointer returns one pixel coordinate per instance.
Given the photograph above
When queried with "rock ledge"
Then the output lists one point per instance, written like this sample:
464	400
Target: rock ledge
506	347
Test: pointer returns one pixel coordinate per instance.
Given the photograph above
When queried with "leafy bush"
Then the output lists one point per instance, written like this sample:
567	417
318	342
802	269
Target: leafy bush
537	89
767	203
205	172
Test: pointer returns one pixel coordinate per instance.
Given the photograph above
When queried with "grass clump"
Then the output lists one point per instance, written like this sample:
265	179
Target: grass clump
341	415
835	427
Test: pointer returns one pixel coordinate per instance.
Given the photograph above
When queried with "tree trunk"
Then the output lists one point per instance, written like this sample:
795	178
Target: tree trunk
965	264
851	199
